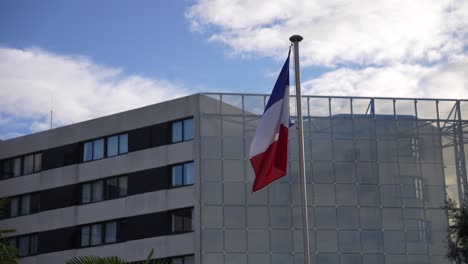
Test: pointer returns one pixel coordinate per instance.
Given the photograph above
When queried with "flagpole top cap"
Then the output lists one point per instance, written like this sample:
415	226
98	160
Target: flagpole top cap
296	38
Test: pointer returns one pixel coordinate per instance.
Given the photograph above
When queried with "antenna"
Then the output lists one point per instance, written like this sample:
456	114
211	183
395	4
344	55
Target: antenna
51	108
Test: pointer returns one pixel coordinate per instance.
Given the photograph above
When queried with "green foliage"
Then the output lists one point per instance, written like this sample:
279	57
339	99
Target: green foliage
458	232
111	260
8	255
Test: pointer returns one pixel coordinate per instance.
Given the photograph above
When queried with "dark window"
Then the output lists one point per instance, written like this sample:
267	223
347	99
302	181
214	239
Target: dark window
183	260
182	220
105	147
104	189
28	162
7	169
21	165
98	234
37	162
23	205
182	130
27	245
17	167
182	174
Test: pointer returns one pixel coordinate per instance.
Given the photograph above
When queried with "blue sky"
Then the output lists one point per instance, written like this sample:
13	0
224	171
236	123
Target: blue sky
79	55
149	38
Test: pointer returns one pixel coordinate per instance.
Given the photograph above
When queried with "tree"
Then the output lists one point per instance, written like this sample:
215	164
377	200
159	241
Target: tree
8	255
458	232
111	260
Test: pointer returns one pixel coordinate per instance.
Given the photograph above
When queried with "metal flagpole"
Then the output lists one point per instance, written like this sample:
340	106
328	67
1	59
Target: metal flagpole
305	221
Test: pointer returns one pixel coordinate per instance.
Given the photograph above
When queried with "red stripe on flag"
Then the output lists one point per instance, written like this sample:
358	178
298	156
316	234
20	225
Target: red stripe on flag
271	164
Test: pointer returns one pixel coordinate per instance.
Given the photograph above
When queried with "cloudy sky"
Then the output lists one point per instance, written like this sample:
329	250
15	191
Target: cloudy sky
92	58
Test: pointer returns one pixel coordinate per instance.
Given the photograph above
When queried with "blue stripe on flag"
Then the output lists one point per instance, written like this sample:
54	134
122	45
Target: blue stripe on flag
281	84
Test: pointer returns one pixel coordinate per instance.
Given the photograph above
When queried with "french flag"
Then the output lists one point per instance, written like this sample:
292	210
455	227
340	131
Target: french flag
269	148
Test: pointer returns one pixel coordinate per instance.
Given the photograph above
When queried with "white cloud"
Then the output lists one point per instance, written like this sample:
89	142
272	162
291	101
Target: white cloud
445	80
79	89
338	31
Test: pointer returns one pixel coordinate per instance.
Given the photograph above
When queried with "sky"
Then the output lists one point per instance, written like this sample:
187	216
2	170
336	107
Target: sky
86	59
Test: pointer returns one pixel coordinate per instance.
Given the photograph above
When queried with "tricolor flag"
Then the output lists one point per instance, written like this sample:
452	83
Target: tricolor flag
269	148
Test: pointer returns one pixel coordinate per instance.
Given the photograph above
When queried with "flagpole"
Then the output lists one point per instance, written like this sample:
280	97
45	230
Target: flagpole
300	128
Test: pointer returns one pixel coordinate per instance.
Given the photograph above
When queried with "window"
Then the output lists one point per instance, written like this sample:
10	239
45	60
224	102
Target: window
7	169
182	220
410	147
27	244
23	205
104	189
413	187
183	260
16	167
105	147
182	130
28	164
21	165
98	234
182	174
416	230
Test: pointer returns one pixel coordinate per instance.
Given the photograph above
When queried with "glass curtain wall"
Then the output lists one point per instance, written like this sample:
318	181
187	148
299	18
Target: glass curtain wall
378	173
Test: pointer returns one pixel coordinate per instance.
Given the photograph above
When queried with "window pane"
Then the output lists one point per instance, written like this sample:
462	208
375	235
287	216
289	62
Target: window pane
7	169
86	193
14	202
122	185
16	167
37	162
112	146
25	204
28	164
85	236
123	143
96	234
88	151
24	246
188	173
34	207
98	149
112	188
177	175
188	220
98	194
177	222
177	131
33	245
111	232
188	129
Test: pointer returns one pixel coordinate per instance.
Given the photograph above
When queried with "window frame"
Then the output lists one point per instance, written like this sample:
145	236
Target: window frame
105	195
182	127
184	175
34	201
103	229
10	165
105	140
30	238
185	220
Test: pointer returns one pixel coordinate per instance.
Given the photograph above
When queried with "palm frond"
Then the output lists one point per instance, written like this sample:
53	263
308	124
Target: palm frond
96	260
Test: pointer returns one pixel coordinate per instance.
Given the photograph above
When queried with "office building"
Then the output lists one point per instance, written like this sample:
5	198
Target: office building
175	177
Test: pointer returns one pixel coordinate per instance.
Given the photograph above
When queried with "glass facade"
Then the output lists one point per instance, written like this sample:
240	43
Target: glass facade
378	173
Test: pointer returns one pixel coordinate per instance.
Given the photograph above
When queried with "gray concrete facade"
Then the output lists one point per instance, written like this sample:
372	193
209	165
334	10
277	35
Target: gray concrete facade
378	173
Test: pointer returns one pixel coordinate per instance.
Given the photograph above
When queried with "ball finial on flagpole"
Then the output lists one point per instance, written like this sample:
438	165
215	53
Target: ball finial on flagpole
296	38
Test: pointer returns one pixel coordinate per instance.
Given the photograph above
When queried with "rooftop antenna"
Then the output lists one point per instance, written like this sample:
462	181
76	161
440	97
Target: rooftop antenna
51	108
